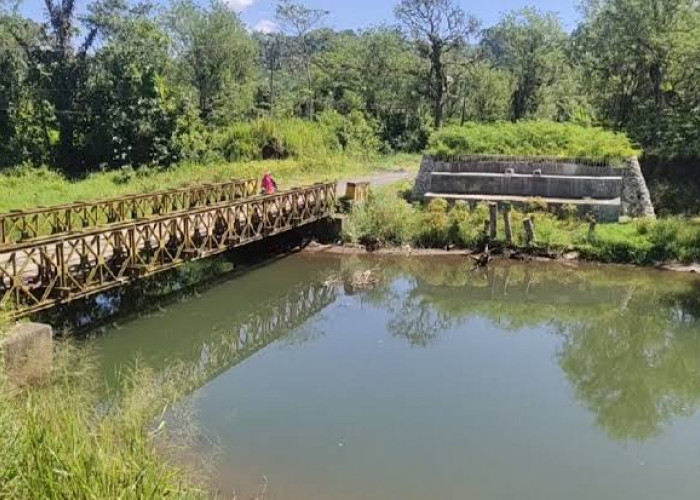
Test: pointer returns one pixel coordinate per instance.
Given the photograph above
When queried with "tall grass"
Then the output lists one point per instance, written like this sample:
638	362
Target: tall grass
26	187
532	138
333	133
65	439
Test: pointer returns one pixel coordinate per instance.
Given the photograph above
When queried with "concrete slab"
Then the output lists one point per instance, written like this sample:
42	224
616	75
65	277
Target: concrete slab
606	210
27	351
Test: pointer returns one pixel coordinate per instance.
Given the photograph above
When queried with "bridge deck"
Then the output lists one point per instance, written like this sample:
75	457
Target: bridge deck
42	272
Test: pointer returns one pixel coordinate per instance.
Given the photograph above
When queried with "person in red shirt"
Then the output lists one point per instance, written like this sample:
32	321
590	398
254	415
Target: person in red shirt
269	186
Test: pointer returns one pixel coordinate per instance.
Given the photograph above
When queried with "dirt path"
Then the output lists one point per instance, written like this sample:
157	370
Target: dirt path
381	179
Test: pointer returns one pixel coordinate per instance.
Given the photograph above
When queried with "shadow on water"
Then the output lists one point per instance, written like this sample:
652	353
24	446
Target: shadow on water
630	339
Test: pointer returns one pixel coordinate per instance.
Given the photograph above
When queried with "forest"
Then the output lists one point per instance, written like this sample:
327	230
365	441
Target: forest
124	83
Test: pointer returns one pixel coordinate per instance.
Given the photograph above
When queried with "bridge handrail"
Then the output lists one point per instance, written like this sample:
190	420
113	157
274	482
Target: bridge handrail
25	225
36	275
116	226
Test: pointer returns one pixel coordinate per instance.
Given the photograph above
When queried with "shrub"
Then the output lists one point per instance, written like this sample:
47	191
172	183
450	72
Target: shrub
383	220
295	138
532	138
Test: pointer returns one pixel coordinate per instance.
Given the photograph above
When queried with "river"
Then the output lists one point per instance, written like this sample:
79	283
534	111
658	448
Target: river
523	381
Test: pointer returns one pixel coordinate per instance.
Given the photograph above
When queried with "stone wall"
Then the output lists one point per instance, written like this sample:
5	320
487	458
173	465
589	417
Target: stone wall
634	195
27	352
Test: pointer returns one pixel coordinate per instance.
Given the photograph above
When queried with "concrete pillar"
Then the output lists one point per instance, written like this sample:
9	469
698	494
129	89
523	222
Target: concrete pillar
27	351
636	200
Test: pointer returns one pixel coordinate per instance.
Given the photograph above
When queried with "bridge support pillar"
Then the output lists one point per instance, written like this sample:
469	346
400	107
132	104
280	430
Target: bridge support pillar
27	353
330	230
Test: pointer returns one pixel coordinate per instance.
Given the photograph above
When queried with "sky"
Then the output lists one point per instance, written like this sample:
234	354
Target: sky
353	14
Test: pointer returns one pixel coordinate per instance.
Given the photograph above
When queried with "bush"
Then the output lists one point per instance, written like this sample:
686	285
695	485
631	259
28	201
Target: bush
295	138
532	138
383	220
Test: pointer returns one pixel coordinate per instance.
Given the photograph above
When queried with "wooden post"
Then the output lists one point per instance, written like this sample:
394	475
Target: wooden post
529	225
592	223
493	221
508	224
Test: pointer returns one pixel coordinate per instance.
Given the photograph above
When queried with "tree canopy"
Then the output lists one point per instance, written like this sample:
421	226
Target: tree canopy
127	84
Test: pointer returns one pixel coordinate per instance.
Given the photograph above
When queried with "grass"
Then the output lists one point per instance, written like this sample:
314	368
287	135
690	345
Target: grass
27	187
65	439
532	138
387	219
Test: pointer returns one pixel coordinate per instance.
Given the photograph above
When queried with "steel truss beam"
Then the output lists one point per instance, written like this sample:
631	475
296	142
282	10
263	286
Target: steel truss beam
39	274
25	225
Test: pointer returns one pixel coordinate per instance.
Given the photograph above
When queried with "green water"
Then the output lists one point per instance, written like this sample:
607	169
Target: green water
520	382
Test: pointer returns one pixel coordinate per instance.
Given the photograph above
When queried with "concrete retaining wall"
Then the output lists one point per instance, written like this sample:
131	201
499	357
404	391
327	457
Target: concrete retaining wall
27	351
545	186
557	179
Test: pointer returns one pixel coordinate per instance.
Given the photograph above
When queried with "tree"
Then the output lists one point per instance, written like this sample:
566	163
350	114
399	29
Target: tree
640	58
299	22
131	117
216	56
437	26
486	93
529	45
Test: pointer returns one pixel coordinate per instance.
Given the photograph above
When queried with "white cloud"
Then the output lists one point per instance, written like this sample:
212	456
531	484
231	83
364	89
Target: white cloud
239	5
266	26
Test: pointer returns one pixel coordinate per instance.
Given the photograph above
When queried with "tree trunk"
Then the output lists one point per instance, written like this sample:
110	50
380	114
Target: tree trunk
438	77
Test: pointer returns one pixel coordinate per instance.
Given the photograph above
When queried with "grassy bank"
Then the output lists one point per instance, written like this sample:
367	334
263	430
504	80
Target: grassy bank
527	138
63	440
389	220
29	187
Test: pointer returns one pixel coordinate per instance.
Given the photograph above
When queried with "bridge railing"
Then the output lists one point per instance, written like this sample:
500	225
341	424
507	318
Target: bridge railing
37	274
271	322
25	225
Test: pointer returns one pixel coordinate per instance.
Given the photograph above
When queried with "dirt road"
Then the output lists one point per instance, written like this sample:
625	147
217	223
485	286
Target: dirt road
382	179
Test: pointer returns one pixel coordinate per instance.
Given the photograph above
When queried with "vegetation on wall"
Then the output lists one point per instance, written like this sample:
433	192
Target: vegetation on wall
528	138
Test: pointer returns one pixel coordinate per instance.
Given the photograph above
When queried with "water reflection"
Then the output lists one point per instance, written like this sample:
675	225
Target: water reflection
630	339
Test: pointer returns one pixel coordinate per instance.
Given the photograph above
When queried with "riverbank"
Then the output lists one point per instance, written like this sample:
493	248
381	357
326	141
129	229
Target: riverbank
570	259
388	220
68	437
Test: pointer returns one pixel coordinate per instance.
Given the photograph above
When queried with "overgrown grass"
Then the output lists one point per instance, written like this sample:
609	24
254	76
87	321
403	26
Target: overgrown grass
333	133
29	187
529	138
387	219
65	439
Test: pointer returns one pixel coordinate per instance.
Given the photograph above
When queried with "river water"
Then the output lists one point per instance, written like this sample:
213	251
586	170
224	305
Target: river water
523	381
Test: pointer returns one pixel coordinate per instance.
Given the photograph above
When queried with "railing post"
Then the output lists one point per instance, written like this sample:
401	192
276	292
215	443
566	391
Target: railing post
61	268
3	236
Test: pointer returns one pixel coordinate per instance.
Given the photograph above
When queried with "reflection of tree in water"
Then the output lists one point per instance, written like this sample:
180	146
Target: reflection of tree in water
417	321
631	341
636	368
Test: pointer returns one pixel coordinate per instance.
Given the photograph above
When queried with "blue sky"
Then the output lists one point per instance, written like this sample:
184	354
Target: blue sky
364	13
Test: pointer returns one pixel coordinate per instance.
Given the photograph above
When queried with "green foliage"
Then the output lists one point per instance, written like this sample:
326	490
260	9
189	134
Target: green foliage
133	117
383	220
296	138
530	45
388	220
641	62
216	57
61	440
539	138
